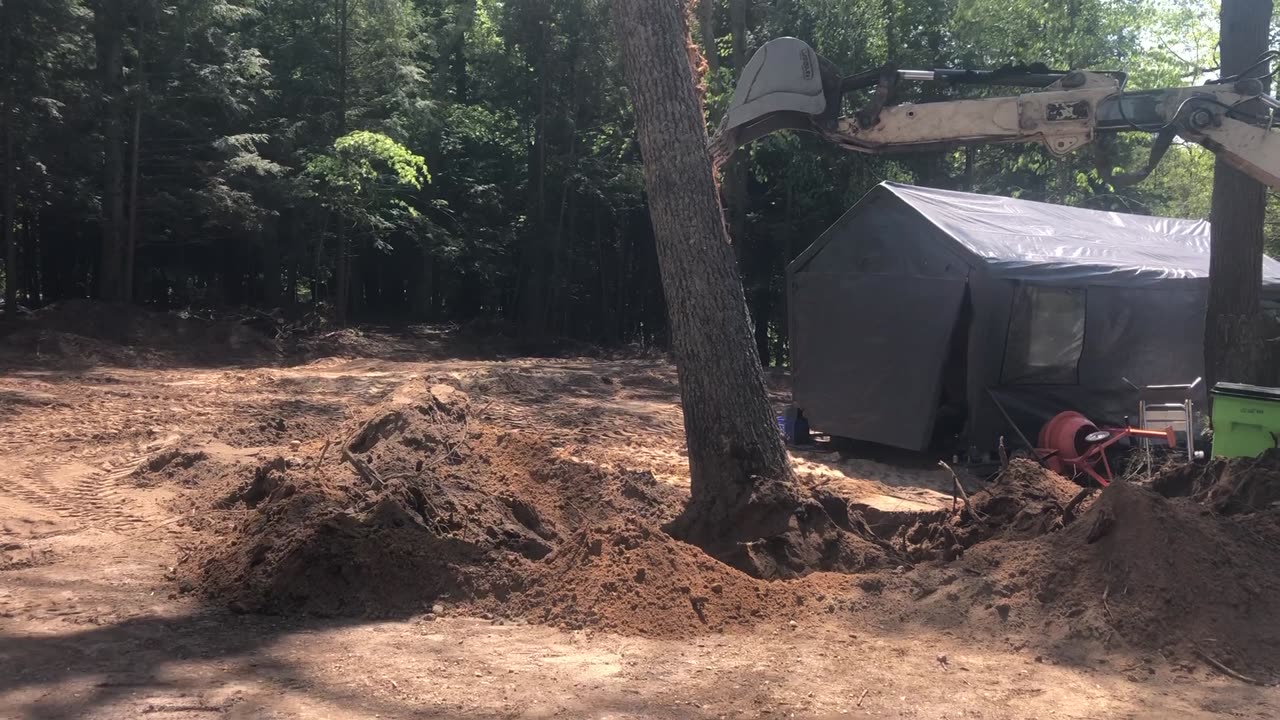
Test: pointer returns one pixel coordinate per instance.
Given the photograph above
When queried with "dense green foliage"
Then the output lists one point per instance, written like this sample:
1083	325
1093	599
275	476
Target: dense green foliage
266	152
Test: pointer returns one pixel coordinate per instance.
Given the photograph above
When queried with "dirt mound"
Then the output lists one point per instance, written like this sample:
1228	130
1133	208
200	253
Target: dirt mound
124	334
1024	501
412	525
1155	573
1227	485
631	577
172	464
425	503
438	506
328	550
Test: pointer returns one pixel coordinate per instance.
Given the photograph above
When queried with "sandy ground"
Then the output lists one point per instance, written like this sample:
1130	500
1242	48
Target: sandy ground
91	625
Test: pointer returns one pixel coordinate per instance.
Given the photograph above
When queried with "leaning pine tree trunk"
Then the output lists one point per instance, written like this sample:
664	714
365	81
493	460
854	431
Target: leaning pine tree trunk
745	507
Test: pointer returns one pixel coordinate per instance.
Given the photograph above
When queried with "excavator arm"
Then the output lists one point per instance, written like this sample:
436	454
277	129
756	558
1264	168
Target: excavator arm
786	85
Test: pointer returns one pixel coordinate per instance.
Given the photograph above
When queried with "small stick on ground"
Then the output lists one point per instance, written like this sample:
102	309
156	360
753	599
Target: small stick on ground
1106	608
963	494
363	470
1069	512
862	696
323	450
1226	670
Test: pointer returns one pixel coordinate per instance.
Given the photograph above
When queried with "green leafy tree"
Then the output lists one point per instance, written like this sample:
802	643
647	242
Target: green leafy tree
368	180
364	179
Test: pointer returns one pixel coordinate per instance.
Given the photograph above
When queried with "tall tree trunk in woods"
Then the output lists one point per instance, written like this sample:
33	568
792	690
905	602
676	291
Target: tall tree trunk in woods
270	250
707	24
752	257
737	171
30	252
317	264
342	302
1234	346
535	263
424	288
741	483
559	252
8	205
891	31
109	38
465	20
342	279
131	243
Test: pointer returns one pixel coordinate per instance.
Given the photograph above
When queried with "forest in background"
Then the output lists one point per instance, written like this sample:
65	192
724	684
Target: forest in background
475	160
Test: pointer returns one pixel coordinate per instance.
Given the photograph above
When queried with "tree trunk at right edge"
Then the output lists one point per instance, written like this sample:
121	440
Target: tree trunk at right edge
1234	346
744	507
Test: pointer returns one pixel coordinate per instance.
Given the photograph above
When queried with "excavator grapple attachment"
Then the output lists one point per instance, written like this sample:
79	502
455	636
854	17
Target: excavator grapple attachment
785	85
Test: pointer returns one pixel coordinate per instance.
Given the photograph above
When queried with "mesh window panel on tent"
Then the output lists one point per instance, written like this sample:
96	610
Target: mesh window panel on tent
1046	336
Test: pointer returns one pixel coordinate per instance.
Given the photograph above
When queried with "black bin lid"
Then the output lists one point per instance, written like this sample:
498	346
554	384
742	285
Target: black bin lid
1257	392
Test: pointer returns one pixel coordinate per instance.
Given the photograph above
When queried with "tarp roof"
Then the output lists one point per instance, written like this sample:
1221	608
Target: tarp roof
1019	238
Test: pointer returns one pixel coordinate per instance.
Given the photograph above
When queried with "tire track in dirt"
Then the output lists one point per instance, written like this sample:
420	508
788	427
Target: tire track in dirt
95	499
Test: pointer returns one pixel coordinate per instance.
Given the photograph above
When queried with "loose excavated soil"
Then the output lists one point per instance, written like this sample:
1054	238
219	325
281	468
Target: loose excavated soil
1227	485
1155	573
433	508
1024	501
460	513
629	576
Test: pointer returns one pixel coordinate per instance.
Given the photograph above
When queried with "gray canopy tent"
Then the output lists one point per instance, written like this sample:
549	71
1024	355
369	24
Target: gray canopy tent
917	305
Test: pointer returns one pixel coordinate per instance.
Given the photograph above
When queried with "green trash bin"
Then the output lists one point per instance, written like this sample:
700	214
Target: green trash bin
1246	419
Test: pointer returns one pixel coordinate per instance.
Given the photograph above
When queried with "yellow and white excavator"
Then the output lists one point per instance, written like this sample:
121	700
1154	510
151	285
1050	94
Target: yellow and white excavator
786	85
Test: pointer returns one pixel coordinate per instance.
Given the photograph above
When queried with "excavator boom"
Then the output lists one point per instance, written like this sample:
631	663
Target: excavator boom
786	85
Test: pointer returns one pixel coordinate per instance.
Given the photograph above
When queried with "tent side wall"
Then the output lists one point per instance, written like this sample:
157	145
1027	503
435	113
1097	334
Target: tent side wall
872	305
1150	335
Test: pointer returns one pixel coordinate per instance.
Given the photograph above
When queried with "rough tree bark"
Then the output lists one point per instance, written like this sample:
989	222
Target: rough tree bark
1234	346
744	506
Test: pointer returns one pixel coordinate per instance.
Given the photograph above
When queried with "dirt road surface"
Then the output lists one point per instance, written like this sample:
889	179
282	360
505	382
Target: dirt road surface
94	623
